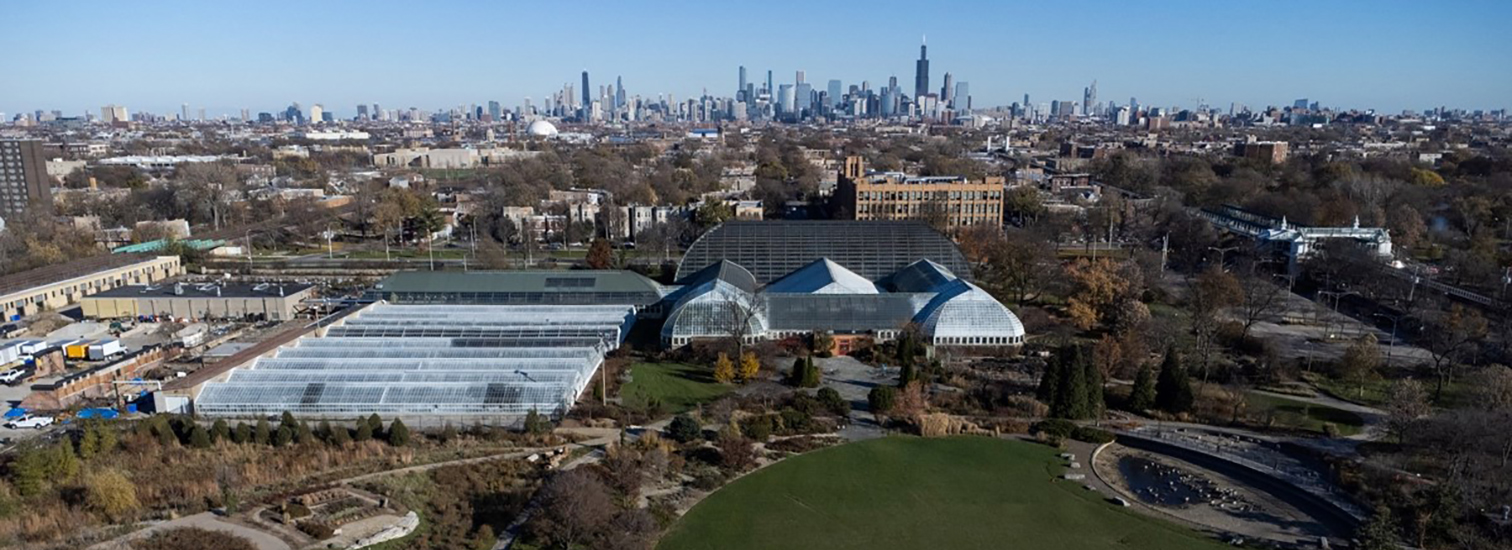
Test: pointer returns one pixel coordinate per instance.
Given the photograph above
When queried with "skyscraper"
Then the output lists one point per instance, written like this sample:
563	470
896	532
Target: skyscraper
183	112
834	93
798	79
962	96
921	72
619	93
587	98
1089	97
770	89
740	92
947	91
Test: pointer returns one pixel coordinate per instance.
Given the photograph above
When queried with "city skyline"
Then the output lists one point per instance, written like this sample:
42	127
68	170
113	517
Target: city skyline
1244	59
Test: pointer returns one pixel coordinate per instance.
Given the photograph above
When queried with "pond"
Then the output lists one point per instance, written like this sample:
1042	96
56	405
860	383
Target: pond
1162	485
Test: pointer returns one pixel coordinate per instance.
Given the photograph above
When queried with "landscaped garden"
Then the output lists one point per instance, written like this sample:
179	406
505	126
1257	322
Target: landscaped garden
676	386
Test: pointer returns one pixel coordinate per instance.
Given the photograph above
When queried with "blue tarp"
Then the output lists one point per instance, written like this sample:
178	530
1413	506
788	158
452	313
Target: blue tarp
17	412
99	413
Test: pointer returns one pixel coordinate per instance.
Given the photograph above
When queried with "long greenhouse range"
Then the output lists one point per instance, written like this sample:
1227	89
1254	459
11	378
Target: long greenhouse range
494	346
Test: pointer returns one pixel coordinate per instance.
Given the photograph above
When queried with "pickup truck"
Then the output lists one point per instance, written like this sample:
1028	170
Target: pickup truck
34	422
12	376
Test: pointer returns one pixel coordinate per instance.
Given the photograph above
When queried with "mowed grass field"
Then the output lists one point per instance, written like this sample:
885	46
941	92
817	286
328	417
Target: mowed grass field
910	493
678	386
1291	413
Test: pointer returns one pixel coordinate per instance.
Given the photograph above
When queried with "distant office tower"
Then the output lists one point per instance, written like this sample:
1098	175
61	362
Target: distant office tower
317	113
785	99
23	177
1123	117
921	72
1300	104
892	81
962	98
1133	106
1026	101
362	112
619	93
495	111
803	98
834	93
183	112
587	99
740	93
889	99
769	88
1089	97
799	78
947	92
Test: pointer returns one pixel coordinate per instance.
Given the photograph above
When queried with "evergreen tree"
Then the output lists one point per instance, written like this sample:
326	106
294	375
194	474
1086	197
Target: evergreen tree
907	375
1173	389
199	438
60	463
283	436
364	430
795	376
1071	396
1094	386
302	433
882	399
339	436
29	473
263	434
1049	386
323	431
1142	398
811	374
165	434
398	433
376	423
220	431
684	429
287	420
242	434
89	441
536	423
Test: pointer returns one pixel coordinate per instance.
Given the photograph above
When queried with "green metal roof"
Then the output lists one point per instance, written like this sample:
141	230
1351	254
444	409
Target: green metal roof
593	285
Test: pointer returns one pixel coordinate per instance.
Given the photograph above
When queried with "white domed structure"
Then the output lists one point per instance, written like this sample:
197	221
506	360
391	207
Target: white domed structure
541	128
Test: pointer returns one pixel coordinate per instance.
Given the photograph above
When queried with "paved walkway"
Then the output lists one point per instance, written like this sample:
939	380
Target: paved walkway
205	520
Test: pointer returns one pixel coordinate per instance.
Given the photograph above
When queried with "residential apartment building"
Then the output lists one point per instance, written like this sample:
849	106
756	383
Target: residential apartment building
23	177
1273	152
953	201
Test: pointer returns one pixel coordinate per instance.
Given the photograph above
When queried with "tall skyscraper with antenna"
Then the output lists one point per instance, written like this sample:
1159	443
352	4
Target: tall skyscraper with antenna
921	71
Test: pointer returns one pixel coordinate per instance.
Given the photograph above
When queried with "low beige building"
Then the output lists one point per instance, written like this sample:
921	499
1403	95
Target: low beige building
57	286
202	301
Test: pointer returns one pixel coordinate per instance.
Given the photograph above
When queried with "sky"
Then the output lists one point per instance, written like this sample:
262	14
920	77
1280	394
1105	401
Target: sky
225	55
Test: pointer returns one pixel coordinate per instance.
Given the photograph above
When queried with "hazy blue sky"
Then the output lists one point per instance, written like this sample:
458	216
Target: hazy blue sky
224	55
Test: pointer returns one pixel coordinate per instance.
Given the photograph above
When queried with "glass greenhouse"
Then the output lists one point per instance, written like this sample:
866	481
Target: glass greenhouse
456	360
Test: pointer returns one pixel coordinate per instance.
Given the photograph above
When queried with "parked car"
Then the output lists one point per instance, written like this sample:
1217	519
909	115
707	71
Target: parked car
12	376
33	422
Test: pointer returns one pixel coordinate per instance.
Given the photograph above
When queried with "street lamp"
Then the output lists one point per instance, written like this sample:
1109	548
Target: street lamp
1391	345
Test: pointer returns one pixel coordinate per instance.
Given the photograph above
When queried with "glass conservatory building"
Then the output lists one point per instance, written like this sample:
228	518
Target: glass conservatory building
468	361
723	300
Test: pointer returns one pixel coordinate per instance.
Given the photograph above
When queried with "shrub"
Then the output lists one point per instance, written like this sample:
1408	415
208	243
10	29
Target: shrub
317	530
192	538
1055	427
684	429
832	401
758	428
1092	435
882	399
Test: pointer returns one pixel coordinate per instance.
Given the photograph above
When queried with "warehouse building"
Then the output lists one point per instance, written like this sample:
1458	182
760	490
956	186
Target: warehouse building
58	286
199	301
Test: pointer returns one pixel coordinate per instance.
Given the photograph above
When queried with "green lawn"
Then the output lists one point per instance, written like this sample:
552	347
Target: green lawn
1456	393
908	493
1291	413
678	386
